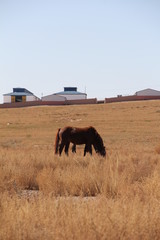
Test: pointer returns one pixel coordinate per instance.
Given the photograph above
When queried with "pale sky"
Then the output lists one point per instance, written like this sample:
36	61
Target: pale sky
106	47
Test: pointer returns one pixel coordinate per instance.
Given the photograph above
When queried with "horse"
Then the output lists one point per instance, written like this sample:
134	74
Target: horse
88	136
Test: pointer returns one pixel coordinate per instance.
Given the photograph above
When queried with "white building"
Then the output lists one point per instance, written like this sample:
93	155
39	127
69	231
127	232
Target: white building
148	92
53	97
69	93
19	95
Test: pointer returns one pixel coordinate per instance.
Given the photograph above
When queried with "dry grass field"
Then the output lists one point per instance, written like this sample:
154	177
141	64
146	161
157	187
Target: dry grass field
43	196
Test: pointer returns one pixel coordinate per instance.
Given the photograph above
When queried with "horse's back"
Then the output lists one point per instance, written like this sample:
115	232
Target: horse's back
76	135
65	132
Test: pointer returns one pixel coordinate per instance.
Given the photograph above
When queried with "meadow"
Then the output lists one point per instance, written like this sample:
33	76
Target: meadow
43	196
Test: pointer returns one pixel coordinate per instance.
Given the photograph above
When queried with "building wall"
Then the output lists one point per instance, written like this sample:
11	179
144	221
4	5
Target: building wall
31	98
53	97
74	97
7	99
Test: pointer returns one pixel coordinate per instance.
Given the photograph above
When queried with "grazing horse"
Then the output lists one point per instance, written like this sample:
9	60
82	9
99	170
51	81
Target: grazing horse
88	136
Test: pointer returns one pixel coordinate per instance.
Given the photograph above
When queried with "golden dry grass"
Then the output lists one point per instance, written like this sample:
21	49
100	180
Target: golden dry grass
43	196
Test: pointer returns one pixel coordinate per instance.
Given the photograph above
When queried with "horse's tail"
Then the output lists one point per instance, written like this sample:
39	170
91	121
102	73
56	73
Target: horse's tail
57	141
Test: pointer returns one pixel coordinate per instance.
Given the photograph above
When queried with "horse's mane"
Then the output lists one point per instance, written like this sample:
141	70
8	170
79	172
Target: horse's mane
98	138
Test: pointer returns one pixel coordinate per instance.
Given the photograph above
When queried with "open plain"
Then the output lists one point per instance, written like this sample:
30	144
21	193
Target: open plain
43	196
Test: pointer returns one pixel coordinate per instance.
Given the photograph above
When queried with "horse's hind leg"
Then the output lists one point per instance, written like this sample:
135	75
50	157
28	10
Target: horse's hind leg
74	148
85	150
66	148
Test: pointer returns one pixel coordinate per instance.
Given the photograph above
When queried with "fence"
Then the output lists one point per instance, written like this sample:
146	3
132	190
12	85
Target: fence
130	98
78	102
82	101
48	103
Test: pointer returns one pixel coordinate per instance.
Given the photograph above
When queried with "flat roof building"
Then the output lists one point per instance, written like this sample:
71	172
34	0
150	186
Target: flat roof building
19	95
69	93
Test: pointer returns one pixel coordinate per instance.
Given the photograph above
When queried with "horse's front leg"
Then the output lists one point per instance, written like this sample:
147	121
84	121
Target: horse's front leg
95	147
88	148
66	148
74	148
85	150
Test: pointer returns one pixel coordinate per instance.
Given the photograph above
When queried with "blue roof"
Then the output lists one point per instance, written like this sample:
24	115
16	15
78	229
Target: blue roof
70	93
19	92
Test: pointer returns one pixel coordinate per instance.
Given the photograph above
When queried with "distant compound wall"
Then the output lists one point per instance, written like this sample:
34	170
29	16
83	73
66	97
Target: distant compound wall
29	104
48	103
82	101
130	98
78	102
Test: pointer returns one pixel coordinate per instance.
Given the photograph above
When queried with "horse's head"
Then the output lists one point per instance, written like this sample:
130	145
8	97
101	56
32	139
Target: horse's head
103	151
98	145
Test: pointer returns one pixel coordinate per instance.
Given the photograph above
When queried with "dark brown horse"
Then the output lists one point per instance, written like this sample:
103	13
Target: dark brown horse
88	136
